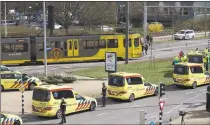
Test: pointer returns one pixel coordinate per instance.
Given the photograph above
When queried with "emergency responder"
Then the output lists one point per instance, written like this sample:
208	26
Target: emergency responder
63	110
196	50
205	60
181	54
206	50
176	60
146	48
104	89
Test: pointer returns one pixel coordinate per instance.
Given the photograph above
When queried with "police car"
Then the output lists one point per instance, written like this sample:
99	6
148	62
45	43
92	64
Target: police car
9	119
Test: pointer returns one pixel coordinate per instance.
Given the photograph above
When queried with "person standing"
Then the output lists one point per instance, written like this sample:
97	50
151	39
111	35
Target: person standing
63	110
104	89
146	48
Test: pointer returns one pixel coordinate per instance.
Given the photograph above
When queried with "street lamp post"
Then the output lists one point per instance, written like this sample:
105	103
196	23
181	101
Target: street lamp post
45	41
0	59
127	32
5	19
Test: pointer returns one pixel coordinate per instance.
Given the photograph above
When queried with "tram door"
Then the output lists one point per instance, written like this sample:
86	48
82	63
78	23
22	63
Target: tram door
73	47
33	49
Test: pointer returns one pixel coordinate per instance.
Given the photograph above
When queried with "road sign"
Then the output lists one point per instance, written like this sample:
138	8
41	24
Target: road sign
22	89
56	54
152	123
162	104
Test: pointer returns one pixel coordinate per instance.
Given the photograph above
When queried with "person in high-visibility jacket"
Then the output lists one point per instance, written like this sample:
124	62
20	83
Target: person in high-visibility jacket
205	60
176	60
196	51
206	50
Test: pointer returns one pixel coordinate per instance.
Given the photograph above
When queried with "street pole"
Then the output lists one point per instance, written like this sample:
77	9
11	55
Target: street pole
5	19
145	21
127	31
0	61
205	18
45	41
22	94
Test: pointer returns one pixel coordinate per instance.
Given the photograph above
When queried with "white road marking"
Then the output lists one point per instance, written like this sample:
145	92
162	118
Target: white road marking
101	114
189	93
134	106
202	89
178	106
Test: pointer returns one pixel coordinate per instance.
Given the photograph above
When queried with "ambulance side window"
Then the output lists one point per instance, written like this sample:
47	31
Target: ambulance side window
7	76
63	94
134	81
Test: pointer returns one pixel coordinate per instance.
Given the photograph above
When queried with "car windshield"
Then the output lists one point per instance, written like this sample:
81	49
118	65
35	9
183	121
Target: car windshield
196	69
41	95
181	70
3	116
4	68
181	32
116	81
195	58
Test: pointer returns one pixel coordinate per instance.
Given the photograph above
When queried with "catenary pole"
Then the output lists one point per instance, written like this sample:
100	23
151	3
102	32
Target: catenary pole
45	41
127	32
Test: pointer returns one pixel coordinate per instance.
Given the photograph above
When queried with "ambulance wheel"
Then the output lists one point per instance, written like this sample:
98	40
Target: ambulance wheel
17	123
59	114
156	92
194	85
31	86
92	106
131	98
1	89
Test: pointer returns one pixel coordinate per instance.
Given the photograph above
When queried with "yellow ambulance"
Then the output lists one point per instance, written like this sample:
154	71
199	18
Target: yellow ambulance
47	98
190	75
129	86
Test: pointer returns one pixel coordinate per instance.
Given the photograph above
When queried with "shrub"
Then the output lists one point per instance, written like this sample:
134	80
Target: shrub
69	79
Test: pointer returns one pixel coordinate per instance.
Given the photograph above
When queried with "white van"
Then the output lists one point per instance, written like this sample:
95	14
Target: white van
184	35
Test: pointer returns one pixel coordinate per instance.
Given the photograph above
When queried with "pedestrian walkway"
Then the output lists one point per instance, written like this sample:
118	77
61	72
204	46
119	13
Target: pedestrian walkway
198	116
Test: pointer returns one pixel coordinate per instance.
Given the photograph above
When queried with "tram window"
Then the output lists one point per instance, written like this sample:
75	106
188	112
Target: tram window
57	44
75	45
136	42
112	43
90	44
70	45
124	43
21	47
41	46
84	43
102	43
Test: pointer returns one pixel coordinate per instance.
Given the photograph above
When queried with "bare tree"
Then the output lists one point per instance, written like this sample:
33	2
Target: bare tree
67	12
99	13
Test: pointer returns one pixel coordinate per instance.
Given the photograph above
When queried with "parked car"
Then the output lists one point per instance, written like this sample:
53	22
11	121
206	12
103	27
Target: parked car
184	35
105	28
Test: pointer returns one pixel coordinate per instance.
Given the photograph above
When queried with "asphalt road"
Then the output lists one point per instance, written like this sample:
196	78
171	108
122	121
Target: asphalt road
121	112
164	50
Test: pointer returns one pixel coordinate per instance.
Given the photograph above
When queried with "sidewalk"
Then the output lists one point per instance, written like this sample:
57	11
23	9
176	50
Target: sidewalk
198	116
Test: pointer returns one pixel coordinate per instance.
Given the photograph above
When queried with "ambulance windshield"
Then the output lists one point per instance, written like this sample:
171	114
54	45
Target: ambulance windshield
195	58
181	70
41	95
116	81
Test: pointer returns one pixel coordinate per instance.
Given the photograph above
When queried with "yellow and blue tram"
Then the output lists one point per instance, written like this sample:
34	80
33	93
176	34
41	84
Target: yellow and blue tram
26	51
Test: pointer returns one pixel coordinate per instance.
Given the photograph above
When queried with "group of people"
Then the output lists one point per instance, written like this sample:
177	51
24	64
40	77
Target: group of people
181	57
146	44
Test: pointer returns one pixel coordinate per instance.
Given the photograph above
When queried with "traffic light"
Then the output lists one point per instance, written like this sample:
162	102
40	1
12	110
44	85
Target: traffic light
161	89
143	117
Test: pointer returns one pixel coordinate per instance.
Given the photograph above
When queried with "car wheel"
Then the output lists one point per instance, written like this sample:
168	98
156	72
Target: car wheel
59	114
92	106
183	38
32	85
1	89
194	85
131	98
17	123
193	37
